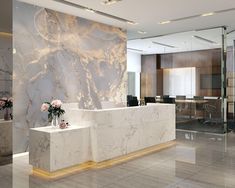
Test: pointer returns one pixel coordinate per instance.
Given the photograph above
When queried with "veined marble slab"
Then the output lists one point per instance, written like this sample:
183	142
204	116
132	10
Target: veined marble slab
49	59
107	134
52	149
5	137
117	132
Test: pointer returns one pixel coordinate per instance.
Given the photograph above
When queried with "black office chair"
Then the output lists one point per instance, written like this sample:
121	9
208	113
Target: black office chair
212	108
199	107
198	97
165	96
149	100
168	99
133	102
129	97
181	106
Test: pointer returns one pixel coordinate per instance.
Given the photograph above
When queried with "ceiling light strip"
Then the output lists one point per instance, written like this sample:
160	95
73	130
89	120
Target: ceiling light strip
182	31
232	31
204	39
186	18
165	45
198	15
133	49
95	11
226	10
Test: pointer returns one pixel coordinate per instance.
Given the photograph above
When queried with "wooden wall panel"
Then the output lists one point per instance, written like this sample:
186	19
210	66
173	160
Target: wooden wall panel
148	76
159	82
202	58
205	61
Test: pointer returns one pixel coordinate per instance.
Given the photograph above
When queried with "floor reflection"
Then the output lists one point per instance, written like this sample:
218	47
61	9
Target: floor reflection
199	160
6	176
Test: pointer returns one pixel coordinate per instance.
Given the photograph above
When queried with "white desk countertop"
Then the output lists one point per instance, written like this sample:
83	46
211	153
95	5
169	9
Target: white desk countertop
50	129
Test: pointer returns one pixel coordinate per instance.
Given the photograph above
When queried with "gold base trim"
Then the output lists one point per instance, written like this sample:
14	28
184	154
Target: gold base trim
5	34
63	172
104	164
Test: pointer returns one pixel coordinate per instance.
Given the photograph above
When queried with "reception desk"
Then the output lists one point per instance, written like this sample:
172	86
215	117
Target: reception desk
101	135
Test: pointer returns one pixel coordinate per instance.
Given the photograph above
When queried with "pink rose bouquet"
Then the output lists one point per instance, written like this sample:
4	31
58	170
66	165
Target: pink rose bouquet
54	108
6	103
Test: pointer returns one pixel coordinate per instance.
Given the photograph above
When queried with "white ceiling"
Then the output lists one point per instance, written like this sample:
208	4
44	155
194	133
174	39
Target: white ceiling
148	13
182	42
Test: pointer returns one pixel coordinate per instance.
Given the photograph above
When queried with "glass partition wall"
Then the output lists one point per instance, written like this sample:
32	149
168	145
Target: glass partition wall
231	79
190	72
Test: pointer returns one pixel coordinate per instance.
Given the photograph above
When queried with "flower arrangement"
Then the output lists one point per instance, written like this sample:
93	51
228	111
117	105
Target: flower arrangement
6	103
54	109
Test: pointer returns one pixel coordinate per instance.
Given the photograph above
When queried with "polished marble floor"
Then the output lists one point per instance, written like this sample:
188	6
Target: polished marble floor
199	160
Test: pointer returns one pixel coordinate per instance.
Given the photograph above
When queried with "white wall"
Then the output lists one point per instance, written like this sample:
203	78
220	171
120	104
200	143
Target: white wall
134	65
179	81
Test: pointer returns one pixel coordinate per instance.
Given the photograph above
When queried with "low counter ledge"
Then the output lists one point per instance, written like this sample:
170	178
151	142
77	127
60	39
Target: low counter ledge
52	149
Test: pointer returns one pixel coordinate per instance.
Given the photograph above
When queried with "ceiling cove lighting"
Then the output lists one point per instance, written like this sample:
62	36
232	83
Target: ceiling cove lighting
110	2
204	39
208	14
68	3
165	45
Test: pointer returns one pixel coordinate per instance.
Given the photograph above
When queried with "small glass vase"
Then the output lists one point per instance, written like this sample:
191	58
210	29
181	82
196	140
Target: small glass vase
7	115
55	121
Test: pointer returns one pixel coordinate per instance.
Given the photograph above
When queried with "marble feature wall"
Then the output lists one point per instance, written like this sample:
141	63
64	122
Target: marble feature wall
65	57
5	67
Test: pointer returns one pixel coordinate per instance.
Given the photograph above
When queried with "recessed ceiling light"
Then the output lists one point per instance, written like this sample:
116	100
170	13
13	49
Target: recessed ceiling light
142	32
208	14
110	2
90	10
165	22
132	23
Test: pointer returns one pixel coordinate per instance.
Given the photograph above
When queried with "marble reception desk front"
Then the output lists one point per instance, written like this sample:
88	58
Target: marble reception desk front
101	135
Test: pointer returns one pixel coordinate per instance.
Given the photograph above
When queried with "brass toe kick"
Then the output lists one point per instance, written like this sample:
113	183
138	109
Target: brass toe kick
104	164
